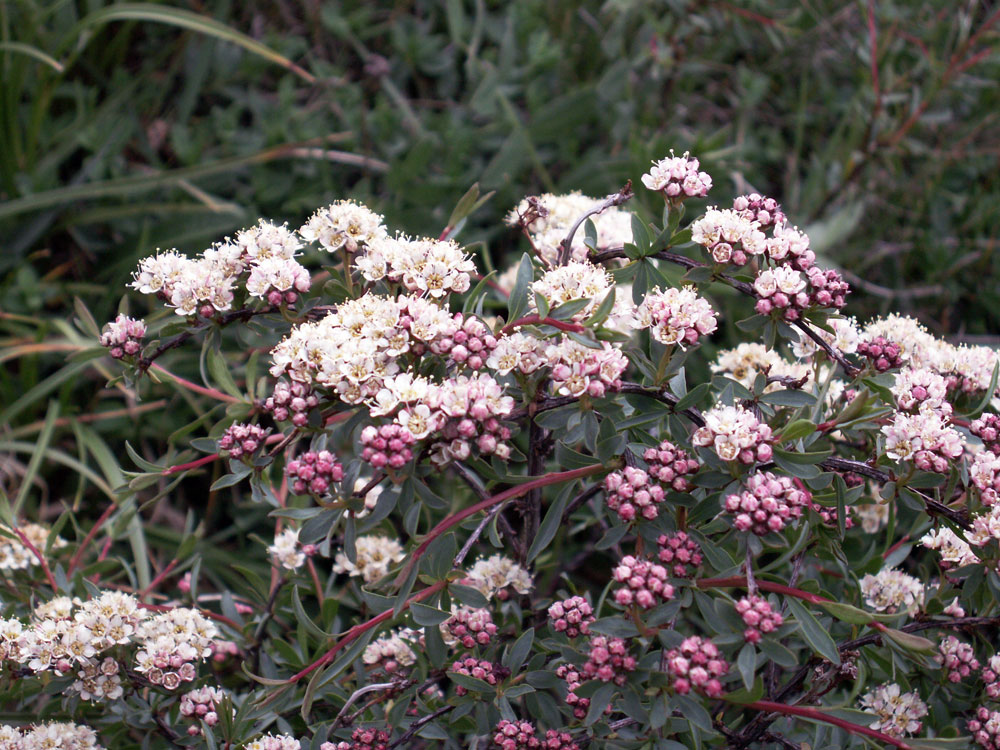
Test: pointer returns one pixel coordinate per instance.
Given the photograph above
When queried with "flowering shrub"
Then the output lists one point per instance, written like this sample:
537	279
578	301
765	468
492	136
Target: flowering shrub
533	509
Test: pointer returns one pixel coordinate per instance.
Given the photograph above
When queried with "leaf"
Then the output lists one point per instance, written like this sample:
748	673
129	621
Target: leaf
468	596
518	653
426	615
218	368
550	525
694	712
27	49
988	396
471	683
746	663
617	627
640	235
748	695
693	397
847	613
599	701
815	634
27	480
788	398
910	642
799	428
517	303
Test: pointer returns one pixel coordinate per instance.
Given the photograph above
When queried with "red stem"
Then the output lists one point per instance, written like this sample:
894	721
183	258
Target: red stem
41	559
75	560
190	464
896	546
159	578
194	387
360	628
817	715
534	319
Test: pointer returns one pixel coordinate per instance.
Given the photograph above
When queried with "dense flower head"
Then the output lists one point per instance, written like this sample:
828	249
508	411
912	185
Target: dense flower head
678	177
735	434
954	551
922	389
291	401
200	705
274	742
374	555
924	438
241	440
435	268
573	281
883	353
469	627
123	336
991	676
314	473
556	740
515	735
670	465
571	616
891	591
985	475
98	681
609	660
278	280
788	246
387	445
748	360
985	527
170	644
957	658
729	236
267	240
286	550
480	669
391	652
756	207
759	616
679	552
987	429
644	583
898	713
675	316
49	736
463	340
493	575
985	728
15	555
549	218
631	494
362	738
769	503
343	224
575	369
696	663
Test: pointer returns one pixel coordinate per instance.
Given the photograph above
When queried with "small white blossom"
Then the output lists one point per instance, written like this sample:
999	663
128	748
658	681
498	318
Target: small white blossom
374	556
898	714
892	591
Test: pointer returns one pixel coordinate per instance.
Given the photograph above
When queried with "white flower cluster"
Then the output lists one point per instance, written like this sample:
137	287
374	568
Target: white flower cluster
374	555
286	551
729	236
274	742
424	266
14	555
123	336
985	527
985	475
922	389
734	433
955	552
99	681
560	213
574	281
51	736
344	224
873	516
898	713
678	177
207	284
575	369
924	438
676	316
170	642
391	651
892	591
492	575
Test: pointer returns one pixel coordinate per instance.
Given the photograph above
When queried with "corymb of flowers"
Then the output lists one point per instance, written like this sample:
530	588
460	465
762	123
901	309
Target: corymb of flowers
544	507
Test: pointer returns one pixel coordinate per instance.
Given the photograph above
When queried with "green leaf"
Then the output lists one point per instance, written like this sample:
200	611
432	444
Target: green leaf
694	712
27	480
788	398
517	303
218	368
799	428
910	642
744	695
847	613
471	683
599	701
518	653
988	396
815	634
640	235
746	663
693	397
426	615
617	627
550	524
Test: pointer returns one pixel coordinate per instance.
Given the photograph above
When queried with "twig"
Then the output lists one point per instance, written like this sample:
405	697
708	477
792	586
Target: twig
38	555
415	726
566	246
78	555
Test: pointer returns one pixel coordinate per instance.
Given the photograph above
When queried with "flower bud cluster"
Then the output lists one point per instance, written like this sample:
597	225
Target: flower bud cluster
630	493
469	344
314	473
957	657
759	617
921	389
670	465
556	740
469	627
291	401
883	354
425	266
98	681
362	738
734	433
343	224
61	735
675	316
831	516
515	735
892	591
788	246
242	441
985	728
697	663
576	369
470	414
985	527
645	583
200	705
987	429
991	676
898	713
608	661
781	288
391	652
755	207
278	280
123	337
678	177
680	553
571	616
924	438
768	503
728	236
387	445
274	742
373	556
480	669
170	643
15	555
